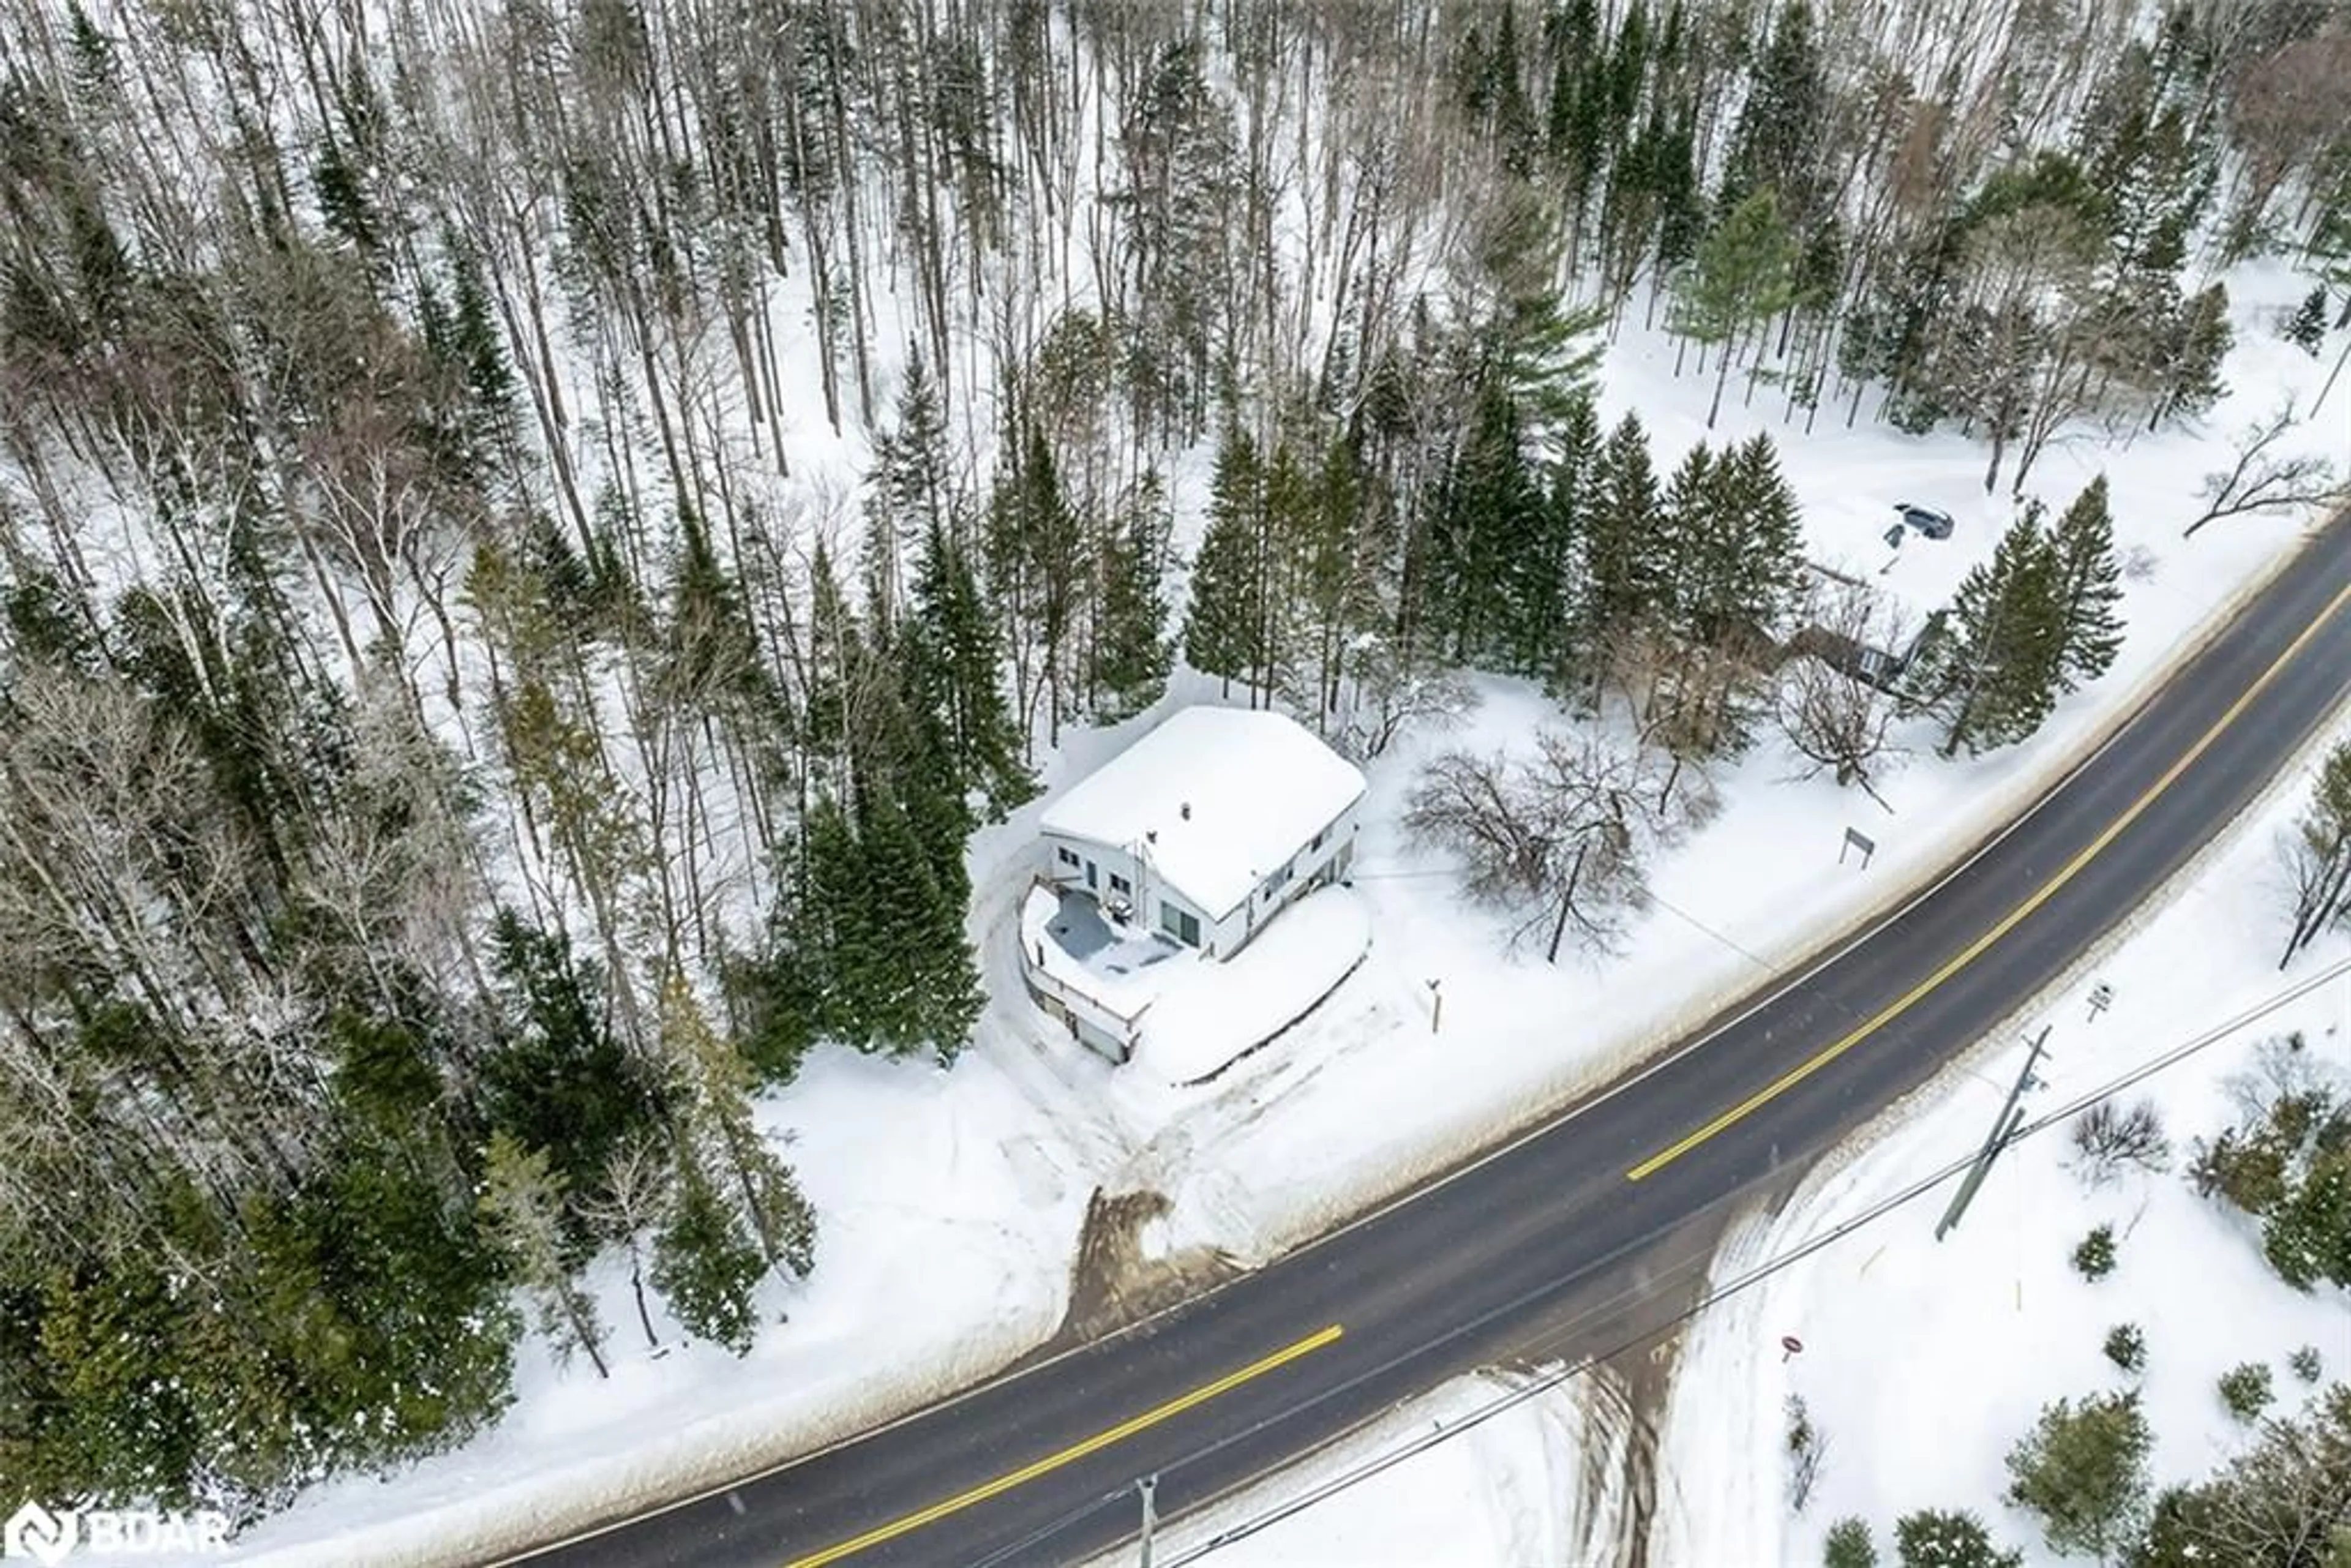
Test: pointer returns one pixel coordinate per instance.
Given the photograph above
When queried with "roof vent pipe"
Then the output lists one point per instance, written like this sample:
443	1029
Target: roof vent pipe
1185	810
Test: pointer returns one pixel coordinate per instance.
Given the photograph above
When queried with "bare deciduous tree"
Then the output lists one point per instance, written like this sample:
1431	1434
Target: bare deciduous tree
639	1181
2262	481
1558	837
1832	709
1385	692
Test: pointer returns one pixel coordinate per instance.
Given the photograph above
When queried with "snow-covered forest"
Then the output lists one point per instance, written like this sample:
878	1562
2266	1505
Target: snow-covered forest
530	536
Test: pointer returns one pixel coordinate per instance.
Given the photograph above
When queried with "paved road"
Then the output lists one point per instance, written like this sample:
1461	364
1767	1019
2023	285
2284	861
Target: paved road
1030	1469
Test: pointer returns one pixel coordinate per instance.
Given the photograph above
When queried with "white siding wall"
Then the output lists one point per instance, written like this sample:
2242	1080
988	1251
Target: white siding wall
1220	938
1145	892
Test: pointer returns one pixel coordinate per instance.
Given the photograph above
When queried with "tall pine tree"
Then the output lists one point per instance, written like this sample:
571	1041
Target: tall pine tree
2089	587
1993	664
950	653
1621	581
1745	273
1131	651
1225	624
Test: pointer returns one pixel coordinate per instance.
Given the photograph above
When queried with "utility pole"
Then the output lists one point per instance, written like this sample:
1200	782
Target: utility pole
1147	1486
2011	1116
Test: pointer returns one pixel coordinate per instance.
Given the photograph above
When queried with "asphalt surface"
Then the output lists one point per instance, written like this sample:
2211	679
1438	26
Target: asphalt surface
1512	1249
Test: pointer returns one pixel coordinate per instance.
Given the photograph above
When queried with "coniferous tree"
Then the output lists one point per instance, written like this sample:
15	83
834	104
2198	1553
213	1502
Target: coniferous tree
707	1267
1132	652
1487	511
1036	570
1941	1538
911	494
1743	273
2190	355
1621	577
2089	587
1849	1545
1778	143
1994	664
950	651
719	1134
825	945
2083	1468
558	1080
1225	622
1688	544
2306	1234
2307	328
1539	583
1728	544
1760	574
480	350
1530	345
919	980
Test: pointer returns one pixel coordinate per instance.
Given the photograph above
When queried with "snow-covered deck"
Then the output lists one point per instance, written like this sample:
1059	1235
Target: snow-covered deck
1113	982
1096	975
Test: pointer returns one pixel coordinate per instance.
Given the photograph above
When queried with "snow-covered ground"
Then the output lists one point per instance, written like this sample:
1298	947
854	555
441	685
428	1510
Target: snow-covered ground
945	1250
1489	1469
1993	1321
1922	1362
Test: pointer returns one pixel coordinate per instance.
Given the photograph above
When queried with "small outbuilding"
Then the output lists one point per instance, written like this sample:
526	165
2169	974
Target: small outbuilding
1203	829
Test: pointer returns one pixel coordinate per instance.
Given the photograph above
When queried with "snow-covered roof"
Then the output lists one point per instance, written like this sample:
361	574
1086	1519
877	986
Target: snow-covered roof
1258	786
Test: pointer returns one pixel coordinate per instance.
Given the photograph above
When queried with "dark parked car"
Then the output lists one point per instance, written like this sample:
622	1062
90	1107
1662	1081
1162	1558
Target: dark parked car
1935	525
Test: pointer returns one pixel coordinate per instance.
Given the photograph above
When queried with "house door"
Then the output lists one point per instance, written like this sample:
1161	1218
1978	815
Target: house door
1089	875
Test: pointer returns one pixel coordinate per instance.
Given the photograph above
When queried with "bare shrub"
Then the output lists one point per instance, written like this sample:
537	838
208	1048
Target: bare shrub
2283	1068
2109	1138
1808	1448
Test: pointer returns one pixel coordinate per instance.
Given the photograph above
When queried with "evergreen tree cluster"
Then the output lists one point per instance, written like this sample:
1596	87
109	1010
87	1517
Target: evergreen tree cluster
2290	1168
1563	560
452	758
2038	621
2283	1502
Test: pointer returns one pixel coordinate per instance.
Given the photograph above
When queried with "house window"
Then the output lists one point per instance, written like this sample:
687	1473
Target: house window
1279	880
1319	840
1120	885
1066	856
1180	924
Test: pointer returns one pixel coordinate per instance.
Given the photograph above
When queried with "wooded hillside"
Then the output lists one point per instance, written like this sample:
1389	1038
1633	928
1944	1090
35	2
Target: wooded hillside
461	738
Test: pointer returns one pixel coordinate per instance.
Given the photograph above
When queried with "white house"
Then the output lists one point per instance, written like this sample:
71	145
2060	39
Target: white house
1206	827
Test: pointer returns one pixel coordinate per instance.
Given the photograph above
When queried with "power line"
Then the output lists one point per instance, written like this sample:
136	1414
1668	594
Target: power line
1538	1387
1704	929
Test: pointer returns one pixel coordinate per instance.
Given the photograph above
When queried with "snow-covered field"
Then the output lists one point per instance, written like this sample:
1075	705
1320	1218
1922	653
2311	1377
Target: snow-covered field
945	1249
1489	1469
1924	1362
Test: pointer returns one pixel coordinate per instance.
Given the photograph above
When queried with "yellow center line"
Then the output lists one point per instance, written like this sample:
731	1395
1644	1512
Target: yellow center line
1072	1454
2016	917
